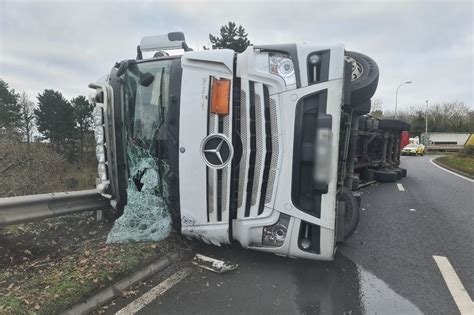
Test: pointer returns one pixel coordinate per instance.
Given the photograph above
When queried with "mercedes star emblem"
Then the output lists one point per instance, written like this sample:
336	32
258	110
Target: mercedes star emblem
216	150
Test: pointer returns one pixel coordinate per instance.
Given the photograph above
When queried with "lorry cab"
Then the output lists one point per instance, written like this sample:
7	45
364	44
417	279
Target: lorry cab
253	146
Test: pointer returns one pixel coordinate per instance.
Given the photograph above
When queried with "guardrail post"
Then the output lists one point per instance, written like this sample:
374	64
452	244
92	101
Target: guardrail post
99	215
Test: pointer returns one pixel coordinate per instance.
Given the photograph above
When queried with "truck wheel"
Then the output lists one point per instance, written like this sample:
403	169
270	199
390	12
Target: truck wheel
404	171
367	174
365	77
406	126
398	171
392	124
351	211
385	176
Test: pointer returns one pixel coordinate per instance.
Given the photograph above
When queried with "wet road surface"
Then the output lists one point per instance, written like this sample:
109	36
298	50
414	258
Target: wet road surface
266	284
386	267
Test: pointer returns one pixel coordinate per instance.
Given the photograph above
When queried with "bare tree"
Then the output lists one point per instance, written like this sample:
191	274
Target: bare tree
449	117
377	108
377	104
27	121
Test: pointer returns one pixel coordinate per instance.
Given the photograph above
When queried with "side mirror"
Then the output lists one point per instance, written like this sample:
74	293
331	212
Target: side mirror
124	65
146	79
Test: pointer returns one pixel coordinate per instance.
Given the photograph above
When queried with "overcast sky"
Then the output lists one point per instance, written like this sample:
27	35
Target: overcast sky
65	45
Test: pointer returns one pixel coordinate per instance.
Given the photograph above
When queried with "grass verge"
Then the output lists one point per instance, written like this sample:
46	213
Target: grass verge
460	162
59	262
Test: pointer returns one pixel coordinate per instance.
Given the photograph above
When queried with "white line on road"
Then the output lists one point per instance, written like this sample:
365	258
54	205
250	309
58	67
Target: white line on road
154	293
400	187
459	293
412	209
446	170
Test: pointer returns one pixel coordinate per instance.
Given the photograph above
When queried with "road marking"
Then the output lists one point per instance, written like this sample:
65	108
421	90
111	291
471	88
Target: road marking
412	209
400	187
154	293
457	290
446	170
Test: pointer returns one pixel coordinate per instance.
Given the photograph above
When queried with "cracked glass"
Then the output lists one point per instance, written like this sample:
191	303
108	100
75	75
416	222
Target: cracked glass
145	96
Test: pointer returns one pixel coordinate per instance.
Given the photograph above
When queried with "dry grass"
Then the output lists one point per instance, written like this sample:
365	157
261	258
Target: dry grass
461	162
55	263
48	287
37	168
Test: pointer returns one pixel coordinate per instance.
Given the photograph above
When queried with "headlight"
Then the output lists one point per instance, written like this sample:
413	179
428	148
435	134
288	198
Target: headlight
100	153
314	59
274	235
99	135
282	66
98	117
102	171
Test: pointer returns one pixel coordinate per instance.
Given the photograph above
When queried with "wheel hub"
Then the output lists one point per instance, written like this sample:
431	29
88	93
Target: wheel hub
357	69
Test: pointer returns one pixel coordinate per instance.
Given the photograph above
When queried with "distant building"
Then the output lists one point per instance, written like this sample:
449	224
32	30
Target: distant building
447	141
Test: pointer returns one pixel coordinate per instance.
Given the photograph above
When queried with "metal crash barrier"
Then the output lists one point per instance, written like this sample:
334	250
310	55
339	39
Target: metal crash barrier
16	210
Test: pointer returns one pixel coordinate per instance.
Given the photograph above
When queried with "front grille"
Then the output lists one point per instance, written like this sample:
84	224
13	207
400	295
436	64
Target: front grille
274	147
260	148
218	180
244	138
246	186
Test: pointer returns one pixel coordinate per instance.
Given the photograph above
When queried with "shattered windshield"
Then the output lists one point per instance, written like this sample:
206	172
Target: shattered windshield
146	101
145	96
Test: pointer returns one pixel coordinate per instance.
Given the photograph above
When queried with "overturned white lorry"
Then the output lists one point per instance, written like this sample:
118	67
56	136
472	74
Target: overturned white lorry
254	147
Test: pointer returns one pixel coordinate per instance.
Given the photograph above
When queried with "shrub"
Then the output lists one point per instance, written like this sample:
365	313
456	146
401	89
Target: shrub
36	168
468	150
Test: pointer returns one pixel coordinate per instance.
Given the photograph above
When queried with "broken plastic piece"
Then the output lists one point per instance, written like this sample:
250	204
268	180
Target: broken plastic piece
212	264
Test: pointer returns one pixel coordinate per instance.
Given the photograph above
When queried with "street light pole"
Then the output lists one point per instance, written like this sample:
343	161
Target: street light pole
426	124
396	96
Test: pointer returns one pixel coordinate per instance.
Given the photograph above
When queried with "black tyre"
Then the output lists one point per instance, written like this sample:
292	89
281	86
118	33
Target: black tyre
404	171
392	124
365	77
385	176
398	171
351	211
367	174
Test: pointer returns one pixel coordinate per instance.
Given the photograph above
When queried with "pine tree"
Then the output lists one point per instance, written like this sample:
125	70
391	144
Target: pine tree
83	117
231	37
55	117
10	111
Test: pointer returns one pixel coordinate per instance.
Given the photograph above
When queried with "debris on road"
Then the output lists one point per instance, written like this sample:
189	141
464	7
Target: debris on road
212	264
372	182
